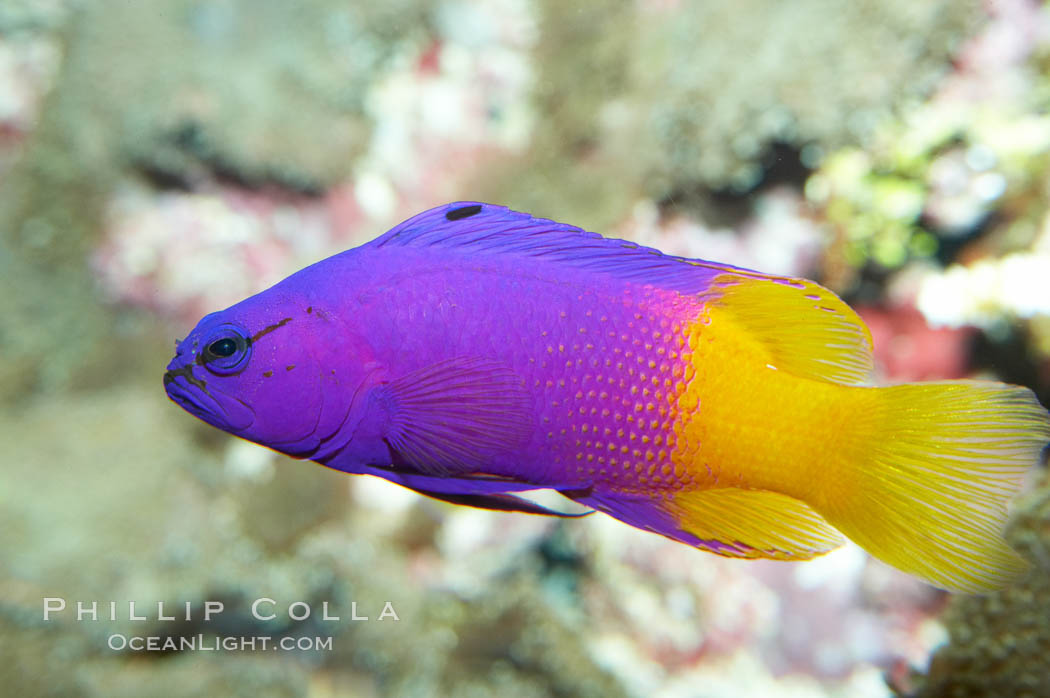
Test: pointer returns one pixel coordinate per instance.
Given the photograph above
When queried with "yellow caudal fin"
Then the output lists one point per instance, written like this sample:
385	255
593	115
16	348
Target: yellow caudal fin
926	484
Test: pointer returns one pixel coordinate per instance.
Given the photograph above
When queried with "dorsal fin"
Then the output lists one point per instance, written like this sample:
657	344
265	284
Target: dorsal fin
480	228
804	328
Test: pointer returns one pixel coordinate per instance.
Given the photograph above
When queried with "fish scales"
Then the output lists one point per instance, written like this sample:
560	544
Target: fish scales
604	361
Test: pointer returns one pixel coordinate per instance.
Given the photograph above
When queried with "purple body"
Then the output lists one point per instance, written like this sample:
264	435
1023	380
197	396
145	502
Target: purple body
470	351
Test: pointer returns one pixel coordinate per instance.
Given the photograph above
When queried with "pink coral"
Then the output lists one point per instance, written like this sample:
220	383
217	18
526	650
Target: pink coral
908	349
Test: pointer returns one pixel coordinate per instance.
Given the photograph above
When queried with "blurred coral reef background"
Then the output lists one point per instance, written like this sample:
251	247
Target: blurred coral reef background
162	159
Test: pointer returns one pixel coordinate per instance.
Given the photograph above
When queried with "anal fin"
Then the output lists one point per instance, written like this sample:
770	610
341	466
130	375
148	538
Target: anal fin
753	524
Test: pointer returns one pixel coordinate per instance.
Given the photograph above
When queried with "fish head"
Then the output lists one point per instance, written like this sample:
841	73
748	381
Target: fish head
272	370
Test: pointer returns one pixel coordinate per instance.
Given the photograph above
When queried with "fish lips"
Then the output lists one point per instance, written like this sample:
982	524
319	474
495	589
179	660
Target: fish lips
221	411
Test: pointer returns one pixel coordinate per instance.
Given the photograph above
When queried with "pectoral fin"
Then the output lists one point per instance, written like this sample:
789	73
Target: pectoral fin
455	416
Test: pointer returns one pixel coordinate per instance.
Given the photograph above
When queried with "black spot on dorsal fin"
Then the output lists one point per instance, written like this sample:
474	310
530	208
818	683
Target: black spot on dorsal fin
490	229
463	212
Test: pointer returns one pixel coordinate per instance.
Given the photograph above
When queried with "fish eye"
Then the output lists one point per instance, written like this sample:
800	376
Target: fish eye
226	350
223	347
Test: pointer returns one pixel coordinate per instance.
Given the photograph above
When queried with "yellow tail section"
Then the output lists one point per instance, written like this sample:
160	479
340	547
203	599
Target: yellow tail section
783	437
926	482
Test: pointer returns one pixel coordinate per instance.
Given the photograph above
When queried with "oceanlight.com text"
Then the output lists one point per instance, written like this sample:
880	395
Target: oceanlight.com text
212	643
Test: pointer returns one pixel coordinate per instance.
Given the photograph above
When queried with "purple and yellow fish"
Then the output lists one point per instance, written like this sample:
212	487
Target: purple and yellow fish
474	351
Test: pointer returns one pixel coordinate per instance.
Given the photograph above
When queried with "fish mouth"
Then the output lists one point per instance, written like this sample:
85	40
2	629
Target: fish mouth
193	401
190	393
184	398
186	372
